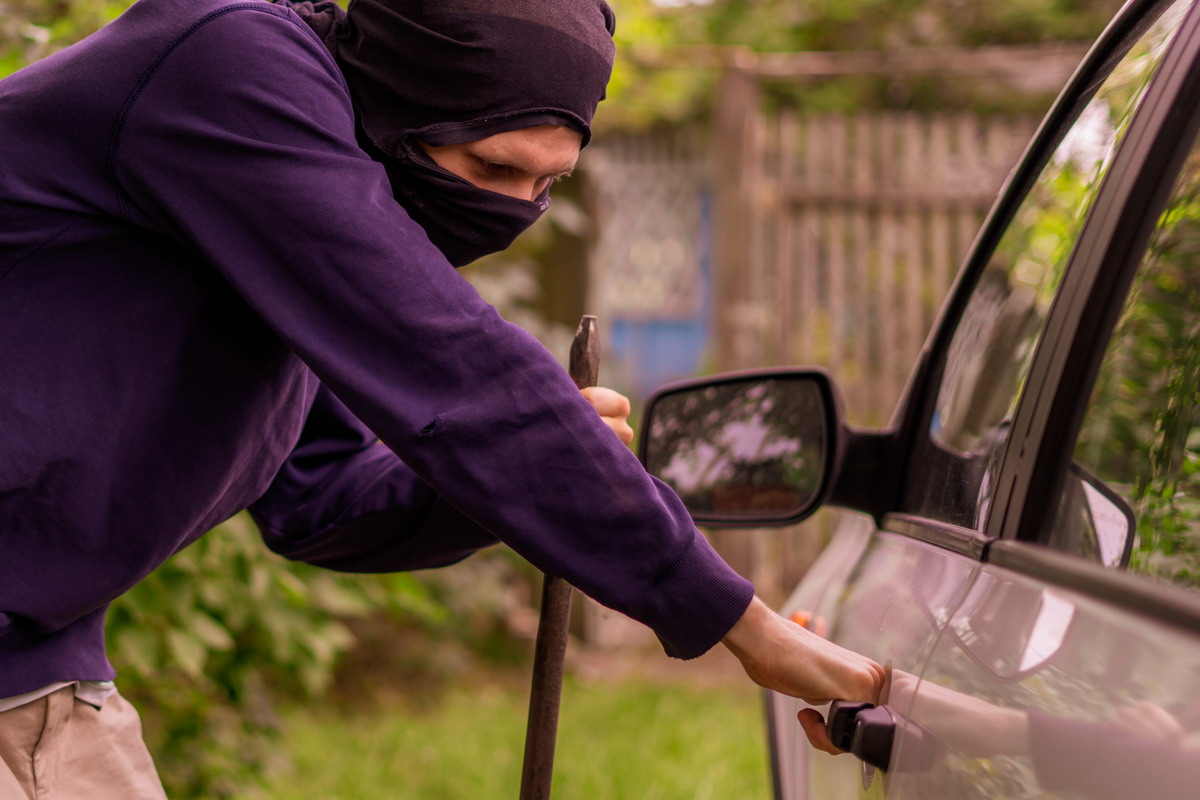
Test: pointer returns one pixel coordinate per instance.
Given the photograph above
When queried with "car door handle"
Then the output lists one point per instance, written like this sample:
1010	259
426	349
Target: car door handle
864	729
869	732
840	721
874	733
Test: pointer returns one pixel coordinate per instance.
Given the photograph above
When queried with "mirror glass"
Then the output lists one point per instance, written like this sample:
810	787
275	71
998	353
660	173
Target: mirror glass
752	449
1111	524
1093	521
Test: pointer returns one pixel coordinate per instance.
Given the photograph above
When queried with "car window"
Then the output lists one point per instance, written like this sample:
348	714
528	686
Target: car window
1141	432
989	356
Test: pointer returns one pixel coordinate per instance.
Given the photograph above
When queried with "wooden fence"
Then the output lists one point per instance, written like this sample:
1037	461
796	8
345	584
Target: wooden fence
855	229
836	236
838	245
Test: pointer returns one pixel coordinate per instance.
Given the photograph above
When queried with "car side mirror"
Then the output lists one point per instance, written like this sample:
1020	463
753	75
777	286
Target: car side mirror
745	449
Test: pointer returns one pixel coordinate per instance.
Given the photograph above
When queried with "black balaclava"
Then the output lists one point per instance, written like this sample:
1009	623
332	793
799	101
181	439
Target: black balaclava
451	71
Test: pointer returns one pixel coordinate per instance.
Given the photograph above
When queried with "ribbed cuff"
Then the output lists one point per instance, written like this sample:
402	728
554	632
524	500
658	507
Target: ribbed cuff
696	601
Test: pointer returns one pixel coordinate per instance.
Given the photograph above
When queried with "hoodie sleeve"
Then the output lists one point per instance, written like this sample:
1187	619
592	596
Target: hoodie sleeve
240	143
344	501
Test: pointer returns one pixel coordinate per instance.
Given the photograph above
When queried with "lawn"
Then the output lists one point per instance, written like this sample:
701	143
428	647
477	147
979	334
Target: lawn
634	739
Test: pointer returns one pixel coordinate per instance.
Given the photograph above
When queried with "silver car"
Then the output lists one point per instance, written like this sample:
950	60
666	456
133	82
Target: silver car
1021	547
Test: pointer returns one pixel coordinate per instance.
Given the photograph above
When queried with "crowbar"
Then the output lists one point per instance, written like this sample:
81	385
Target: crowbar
545	692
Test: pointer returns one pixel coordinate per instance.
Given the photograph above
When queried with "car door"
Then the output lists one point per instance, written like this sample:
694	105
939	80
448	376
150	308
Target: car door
900	584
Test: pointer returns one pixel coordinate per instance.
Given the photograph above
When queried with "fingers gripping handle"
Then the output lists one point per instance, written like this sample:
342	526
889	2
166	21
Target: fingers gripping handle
864	729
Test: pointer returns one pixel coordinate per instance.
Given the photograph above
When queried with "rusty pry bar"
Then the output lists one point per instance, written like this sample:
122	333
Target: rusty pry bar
551	649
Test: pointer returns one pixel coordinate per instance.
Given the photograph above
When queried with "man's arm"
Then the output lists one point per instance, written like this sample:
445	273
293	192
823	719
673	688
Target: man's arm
240	145
344	501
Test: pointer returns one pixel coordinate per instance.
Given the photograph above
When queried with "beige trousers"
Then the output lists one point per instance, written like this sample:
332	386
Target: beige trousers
61	748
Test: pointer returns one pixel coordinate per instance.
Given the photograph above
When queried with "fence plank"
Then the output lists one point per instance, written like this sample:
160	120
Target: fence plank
807	262
836	265
785	247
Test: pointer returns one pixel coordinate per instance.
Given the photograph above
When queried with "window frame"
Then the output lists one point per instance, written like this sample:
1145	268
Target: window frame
1095	288
911	441
1096	283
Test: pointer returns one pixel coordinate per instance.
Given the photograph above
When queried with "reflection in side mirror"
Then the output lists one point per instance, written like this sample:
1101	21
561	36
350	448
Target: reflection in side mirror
1093	521
744	449
1113	522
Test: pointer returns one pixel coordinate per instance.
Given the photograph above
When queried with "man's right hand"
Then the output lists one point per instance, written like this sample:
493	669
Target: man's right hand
781	655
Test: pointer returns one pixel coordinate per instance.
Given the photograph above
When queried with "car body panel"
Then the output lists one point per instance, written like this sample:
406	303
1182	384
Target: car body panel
1112	694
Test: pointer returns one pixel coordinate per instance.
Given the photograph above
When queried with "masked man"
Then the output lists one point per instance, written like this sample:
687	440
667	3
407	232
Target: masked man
228	233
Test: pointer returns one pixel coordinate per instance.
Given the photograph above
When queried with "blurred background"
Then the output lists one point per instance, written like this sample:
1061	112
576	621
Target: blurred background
771	182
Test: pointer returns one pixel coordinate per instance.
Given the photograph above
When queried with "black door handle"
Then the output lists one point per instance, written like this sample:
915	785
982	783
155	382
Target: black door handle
874	733
840	722
869	732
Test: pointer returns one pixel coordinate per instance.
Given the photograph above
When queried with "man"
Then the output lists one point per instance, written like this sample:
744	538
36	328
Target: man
226	251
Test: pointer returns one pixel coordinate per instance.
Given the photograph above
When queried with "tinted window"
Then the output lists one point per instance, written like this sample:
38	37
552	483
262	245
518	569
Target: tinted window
988	360
1141	434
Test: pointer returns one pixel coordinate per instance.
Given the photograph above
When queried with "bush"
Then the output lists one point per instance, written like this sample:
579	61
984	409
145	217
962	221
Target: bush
207	644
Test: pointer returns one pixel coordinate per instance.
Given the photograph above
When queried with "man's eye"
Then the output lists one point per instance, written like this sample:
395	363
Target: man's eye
494	168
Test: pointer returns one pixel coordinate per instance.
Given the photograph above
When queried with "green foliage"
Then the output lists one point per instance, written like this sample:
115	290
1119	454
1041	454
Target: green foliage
209	642
638	97
34	29
641	96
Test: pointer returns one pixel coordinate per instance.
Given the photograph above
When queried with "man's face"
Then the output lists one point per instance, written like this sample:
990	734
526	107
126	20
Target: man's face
520	163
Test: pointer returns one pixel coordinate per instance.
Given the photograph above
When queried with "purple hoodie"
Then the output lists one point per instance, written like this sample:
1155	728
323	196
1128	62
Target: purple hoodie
192	245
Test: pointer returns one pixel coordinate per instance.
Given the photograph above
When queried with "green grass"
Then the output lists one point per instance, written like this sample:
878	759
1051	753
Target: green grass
617	741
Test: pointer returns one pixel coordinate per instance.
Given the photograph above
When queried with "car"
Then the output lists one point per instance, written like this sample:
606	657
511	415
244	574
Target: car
1020	546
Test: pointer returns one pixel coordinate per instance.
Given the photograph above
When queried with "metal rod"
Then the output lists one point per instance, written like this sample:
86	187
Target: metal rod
550	651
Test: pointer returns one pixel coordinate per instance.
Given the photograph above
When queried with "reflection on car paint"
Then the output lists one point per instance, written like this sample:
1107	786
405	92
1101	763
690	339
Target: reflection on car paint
1065	696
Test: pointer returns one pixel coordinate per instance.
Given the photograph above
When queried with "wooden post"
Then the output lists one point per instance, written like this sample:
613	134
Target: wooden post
736	159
